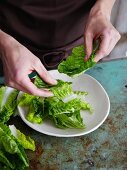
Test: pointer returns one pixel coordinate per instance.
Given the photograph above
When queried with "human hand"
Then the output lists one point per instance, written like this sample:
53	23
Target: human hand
99	26
18	63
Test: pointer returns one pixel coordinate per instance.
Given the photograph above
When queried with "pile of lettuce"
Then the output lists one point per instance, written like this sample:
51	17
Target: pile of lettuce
63	109
75	65
12	142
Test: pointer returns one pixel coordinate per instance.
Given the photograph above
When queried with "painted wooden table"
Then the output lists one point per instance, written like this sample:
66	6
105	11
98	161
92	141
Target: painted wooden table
105	148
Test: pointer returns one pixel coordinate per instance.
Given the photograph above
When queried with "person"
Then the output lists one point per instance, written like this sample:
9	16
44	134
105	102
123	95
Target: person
35	35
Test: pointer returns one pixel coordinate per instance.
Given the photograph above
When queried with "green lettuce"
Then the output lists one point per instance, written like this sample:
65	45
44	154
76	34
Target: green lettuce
75	65
81	93
5	162
8	108
2	92
24	140
67	115
63	108
12	152
26	99
35	107
60	90
36	111
12	145
72	121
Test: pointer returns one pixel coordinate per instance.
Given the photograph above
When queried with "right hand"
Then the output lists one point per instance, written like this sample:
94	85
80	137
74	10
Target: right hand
18	63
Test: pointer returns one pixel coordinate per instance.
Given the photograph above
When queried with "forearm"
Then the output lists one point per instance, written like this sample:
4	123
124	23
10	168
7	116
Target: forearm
103	7
5	41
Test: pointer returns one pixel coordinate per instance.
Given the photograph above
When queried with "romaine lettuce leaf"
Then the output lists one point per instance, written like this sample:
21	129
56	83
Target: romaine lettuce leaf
8	108
69	121
25	141
35	107
12	148
5	161
2	92
60	90
35	113
65	102
75	65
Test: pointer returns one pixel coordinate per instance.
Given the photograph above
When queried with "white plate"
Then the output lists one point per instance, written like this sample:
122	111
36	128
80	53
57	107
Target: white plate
97	97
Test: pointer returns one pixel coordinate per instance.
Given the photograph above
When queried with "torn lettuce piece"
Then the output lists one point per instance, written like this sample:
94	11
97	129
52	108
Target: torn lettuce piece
70	112
25	141
40	83
60	90
59	107
26	99
69	121
75	65
65	102
9	106
36	111
35	107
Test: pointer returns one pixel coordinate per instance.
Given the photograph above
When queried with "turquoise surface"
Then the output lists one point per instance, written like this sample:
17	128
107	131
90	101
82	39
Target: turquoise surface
105	148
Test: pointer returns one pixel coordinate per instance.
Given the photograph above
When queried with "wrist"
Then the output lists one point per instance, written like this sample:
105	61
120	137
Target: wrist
102	8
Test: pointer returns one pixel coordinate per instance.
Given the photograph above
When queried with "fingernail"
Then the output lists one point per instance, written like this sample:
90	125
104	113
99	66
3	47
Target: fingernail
45	89
53	81
50	94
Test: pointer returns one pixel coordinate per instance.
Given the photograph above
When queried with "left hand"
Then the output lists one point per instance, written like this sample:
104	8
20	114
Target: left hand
99	26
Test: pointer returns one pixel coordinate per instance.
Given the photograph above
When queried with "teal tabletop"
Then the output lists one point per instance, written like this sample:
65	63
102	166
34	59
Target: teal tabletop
105	148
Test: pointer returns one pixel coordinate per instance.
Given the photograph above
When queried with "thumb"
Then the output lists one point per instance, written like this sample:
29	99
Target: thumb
88	45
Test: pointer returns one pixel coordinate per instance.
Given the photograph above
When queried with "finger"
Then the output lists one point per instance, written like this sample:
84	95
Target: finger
88	45
43	73
16	86
113	42
32	89
103	48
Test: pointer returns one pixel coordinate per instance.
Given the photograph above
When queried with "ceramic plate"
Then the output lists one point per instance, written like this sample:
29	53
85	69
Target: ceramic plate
97	97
